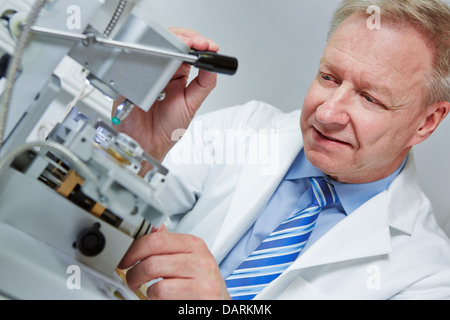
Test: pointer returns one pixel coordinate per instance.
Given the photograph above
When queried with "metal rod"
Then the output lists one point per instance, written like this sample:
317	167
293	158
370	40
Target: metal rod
148	50
59	33
115	44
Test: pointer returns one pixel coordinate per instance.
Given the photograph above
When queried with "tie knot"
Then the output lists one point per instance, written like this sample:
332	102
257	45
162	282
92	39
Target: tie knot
323	192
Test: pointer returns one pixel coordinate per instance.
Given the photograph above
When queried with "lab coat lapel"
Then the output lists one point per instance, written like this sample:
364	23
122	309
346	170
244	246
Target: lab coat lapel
256	185
405	197
364	233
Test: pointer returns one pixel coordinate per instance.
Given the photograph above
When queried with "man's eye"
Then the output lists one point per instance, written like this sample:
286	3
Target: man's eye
327	78
370	99
373	101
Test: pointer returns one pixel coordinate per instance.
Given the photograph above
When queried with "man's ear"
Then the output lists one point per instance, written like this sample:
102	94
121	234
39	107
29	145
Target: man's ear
436	113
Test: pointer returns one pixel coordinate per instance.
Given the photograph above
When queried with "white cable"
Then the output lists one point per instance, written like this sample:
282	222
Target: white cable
80	96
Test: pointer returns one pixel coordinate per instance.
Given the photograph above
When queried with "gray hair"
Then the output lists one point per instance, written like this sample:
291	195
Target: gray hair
430	17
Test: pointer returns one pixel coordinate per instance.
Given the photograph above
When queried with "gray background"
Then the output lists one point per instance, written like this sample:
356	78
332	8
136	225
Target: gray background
279	44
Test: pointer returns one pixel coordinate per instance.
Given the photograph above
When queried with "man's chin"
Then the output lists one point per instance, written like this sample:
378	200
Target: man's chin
328	164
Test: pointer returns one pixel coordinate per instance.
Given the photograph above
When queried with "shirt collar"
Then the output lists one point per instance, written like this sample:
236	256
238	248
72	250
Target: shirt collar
351	196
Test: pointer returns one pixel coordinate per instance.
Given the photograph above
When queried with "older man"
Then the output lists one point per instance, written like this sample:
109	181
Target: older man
342	215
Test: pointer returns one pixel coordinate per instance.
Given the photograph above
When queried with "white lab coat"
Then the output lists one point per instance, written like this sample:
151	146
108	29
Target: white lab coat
389	248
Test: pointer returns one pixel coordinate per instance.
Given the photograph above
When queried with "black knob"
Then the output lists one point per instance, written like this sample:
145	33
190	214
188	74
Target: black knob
90	241
215	62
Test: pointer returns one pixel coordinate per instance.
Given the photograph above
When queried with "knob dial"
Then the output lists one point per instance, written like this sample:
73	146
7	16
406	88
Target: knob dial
90	241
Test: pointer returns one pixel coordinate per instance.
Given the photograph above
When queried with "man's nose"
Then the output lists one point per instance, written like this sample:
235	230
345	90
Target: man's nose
335	109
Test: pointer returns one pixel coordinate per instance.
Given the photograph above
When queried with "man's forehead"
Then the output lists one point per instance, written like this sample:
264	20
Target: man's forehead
398	48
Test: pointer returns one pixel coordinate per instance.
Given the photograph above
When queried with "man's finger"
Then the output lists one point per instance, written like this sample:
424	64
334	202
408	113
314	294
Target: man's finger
183	266
183	289
157	243
199	89
194	39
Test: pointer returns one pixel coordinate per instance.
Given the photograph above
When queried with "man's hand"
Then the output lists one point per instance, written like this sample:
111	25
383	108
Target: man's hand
186	266
154	129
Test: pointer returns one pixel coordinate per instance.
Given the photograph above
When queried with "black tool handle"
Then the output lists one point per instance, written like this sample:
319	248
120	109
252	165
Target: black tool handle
215	62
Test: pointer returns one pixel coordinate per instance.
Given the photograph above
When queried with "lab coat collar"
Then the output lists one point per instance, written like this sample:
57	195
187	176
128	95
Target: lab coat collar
404	198
367	231
364	233
351	196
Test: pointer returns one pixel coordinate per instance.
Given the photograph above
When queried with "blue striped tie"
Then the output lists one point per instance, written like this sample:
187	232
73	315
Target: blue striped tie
281	247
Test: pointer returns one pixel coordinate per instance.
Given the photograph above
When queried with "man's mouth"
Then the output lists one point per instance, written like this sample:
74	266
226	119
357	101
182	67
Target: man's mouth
323	136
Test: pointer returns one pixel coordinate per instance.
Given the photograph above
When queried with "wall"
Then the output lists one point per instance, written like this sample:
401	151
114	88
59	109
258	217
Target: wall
279	44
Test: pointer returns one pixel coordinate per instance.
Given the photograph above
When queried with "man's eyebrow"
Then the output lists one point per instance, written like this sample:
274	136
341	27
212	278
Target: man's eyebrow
323	61
364	84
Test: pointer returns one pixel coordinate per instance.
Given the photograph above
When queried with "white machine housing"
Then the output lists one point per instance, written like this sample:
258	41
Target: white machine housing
71	206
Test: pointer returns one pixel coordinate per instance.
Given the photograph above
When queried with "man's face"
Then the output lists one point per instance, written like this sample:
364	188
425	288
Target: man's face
364	109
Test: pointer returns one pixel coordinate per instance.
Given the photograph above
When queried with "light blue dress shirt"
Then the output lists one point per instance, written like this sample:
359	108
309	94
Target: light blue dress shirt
292	195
